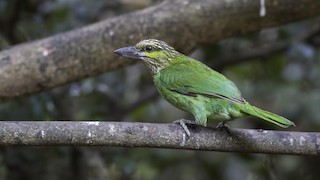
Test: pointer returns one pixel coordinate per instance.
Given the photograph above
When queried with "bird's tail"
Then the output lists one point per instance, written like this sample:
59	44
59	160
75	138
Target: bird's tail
268	116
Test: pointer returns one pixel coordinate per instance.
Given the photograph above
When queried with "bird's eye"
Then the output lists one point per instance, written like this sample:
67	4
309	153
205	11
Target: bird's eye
148	48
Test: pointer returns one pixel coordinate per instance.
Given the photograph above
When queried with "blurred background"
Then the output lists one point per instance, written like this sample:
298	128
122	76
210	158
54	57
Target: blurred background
277	69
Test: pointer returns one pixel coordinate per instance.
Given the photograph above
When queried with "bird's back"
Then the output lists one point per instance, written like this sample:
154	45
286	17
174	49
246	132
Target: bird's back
185	72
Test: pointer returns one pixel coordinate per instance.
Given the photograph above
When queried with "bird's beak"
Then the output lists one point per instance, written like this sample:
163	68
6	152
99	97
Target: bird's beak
130	52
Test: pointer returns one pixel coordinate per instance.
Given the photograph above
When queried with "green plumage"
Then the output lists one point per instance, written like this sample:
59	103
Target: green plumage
194	87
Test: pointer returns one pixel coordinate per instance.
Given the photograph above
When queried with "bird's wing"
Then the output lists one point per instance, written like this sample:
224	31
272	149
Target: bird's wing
193	78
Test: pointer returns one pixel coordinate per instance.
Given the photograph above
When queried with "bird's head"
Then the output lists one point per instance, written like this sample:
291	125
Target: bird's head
154	53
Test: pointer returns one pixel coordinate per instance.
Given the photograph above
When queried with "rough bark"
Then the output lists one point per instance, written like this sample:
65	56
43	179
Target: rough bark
50	62
157	135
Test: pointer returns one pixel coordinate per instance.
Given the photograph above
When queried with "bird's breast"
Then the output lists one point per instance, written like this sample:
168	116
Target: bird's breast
190	104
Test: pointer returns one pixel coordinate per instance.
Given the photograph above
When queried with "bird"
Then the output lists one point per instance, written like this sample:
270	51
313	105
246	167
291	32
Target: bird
192	86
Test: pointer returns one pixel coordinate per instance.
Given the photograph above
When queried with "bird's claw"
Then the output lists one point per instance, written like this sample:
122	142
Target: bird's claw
183	123
223	126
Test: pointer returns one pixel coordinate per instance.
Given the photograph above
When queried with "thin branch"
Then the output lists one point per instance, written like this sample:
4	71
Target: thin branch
157	135
67	57
265	52
256	54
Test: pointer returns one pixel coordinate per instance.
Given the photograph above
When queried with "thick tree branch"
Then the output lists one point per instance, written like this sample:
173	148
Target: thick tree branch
157	135
67	57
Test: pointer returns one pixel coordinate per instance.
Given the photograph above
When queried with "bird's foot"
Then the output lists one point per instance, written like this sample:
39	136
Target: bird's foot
183	123
222	125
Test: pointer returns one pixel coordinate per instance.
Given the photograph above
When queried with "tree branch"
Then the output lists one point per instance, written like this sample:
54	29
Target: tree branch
256	54
262	53
67	57
157	135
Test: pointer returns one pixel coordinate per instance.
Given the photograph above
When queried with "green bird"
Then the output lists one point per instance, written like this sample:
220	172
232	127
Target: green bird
194	87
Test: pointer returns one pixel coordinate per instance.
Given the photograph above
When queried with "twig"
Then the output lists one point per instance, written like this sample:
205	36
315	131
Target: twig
256	54
265	52
127	134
